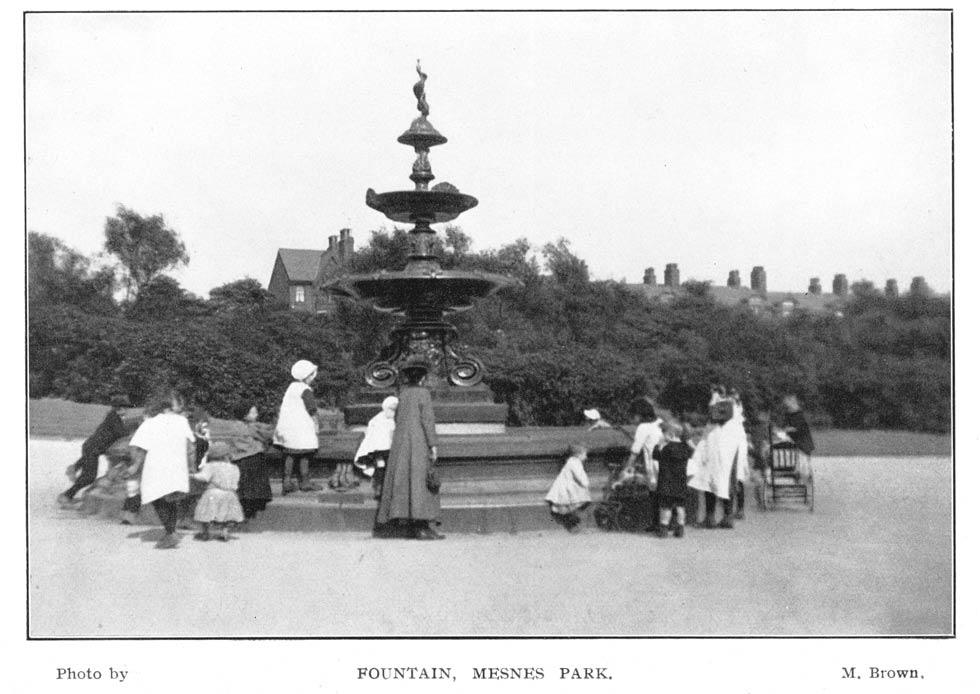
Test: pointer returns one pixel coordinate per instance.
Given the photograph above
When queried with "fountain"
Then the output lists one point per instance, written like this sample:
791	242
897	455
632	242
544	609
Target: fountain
423	295
494	478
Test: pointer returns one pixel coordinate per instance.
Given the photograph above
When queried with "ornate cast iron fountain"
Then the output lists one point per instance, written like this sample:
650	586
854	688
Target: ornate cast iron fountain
423	294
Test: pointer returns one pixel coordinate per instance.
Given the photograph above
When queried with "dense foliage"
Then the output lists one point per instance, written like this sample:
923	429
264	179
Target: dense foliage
557	345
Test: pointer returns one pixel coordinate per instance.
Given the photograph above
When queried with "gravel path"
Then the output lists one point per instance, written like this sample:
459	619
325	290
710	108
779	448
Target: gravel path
875	558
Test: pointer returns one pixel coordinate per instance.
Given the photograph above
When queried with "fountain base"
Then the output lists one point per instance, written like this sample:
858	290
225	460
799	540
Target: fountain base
463	411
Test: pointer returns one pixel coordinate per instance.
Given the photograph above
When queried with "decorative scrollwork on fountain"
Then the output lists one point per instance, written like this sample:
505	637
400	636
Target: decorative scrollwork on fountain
467	371
381	374
432	343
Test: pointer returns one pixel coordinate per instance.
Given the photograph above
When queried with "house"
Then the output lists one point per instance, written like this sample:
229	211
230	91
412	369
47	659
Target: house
756	297
299	272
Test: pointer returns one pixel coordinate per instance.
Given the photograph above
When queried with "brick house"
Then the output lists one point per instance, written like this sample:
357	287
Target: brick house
298	272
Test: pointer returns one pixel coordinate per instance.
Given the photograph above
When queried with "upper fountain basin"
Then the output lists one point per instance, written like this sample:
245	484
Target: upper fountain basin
409	206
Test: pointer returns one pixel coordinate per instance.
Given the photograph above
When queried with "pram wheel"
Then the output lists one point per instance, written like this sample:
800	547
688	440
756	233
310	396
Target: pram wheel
628	520
605	518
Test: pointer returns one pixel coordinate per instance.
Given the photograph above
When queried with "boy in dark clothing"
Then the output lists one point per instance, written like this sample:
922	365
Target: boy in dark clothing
86	468
672	480
798	430
796	425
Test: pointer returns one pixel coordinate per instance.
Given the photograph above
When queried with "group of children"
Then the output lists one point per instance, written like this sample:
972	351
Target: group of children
676	466
175	466
182	473
658	460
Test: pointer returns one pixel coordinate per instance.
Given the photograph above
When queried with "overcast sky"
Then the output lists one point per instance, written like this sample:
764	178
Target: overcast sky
809	143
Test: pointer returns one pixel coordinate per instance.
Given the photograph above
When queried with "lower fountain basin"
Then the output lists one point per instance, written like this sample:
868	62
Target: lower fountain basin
398	291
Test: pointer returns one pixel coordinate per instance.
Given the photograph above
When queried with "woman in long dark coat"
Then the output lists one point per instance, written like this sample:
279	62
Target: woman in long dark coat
407	505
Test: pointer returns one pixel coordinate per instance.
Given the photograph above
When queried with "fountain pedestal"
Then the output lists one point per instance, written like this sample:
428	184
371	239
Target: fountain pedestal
458	410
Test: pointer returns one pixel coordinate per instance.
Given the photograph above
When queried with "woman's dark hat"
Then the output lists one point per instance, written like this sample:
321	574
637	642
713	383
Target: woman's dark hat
416	362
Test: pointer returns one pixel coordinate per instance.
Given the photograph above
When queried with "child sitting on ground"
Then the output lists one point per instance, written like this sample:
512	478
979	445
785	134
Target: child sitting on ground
569	493
219	507
672	480
372	455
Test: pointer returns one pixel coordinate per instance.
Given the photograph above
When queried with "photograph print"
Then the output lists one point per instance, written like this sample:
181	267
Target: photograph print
489	324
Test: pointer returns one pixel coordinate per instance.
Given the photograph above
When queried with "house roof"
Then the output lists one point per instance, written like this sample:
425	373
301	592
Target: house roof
302	264
733	296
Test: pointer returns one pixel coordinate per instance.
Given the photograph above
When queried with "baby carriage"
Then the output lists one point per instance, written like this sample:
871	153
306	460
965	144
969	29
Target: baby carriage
628	500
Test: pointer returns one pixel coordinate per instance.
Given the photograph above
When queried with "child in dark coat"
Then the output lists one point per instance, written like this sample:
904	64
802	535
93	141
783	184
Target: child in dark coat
84	471
672	480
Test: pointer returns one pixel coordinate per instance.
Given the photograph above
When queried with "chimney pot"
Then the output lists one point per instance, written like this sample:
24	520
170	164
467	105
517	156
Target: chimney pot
919	285
840	284
346	244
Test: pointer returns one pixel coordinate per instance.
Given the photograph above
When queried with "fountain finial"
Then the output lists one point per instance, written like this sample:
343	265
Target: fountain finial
419	89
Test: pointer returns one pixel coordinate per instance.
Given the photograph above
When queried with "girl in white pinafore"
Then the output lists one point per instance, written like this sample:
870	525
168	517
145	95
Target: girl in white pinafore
297	429
569	493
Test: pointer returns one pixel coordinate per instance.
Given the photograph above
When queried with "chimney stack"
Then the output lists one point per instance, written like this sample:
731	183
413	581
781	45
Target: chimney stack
919	286
840	284
733	279
332	243
346	244
650	276
758	279
672	276
891	287
814	287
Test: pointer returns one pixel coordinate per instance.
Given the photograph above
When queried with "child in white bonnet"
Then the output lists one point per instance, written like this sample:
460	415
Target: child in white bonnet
372	454
297	428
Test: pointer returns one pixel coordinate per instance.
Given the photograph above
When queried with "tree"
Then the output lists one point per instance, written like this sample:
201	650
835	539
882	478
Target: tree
163	298
59	274
145	246
864	288
698	288
244	293
564	265
457	242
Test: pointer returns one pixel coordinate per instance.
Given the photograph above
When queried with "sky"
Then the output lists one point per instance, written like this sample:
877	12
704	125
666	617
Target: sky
808	143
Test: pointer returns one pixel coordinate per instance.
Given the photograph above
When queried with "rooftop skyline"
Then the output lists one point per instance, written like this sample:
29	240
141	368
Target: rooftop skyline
809	143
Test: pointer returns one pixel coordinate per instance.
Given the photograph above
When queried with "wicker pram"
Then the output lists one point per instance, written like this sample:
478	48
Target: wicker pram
628	500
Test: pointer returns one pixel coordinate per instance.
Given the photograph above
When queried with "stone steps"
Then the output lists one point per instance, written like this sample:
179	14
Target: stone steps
492	506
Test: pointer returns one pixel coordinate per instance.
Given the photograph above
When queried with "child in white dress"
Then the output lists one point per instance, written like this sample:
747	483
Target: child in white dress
372	455
569	493
219	507
297	428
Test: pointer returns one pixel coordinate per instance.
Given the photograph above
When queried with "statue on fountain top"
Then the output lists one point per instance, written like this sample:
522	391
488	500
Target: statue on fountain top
419	89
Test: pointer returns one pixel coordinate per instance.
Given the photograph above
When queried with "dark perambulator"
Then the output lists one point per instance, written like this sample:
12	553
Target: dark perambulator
629	501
